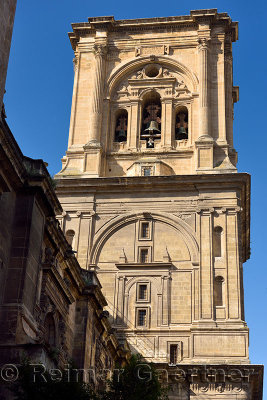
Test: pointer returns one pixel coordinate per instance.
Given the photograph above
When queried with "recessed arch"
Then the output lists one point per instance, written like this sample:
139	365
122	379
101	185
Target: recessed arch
106	231
132	65
138	279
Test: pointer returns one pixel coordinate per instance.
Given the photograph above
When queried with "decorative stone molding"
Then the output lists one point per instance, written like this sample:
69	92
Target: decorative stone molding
100	50
205	211
203	44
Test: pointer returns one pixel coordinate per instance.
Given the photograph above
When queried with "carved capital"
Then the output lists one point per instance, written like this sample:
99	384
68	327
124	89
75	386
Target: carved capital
205	211
100	50
233	210
203	44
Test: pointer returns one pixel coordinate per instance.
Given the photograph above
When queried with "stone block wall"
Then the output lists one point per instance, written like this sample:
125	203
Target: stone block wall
7	15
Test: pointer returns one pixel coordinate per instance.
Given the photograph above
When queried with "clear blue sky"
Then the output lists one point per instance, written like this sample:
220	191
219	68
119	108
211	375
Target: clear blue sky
39	91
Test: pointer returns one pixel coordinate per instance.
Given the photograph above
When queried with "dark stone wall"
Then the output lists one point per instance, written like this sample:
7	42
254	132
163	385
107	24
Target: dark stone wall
7	14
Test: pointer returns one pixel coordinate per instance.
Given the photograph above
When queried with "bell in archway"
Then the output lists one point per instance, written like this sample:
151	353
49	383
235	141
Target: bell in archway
181	133
122	136
153	126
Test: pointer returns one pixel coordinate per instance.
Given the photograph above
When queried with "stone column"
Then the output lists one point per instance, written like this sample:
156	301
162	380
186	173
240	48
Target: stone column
206	265
228	79
233	264
134	123
97	95
165	296
203	80
84	237
76	67
219	45
167	123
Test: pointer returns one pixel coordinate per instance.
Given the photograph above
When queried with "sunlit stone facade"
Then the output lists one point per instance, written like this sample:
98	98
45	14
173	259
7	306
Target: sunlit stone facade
151	195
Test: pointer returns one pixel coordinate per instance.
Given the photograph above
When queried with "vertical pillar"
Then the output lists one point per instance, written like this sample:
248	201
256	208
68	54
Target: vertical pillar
166	124
165	295
84	238
233	261
120	300
133	123
203	81
228	79
221	89
93	149
100	51
76	67
206	267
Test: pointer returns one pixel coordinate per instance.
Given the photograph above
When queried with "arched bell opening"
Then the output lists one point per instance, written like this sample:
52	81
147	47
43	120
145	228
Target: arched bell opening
181	123
121	125
151	119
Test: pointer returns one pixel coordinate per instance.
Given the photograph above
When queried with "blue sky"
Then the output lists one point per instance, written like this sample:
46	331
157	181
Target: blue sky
39	91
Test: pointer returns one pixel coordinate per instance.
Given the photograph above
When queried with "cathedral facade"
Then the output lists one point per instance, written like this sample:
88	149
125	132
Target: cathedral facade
151	197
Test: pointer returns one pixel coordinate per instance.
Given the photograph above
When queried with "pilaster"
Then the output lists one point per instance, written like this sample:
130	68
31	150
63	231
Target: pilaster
203	49
100	51
206	265
167	122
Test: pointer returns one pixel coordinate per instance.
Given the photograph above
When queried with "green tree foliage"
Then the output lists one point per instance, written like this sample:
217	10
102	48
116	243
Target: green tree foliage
138	380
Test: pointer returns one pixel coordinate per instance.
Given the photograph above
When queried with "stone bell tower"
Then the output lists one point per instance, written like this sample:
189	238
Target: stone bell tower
151	195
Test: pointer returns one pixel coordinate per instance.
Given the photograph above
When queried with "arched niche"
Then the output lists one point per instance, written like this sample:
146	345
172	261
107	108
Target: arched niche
120	234
132	303
70	236
218	291
217	241
181	123
121	126
151	118
134	65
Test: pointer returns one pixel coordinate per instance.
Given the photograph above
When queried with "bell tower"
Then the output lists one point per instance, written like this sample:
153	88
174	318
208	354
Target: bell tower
151	194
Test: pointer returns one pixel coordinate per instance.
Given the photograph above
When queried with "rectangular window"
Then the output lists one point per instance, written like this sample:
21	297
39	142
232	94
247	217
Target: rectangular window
173	353
142	295
145	230
141	318
147	171
144	255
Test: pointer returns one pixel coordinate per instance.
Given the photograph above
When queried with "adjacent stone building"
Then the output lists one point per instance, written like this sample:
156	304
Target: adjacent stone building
151	195
50	309
7	15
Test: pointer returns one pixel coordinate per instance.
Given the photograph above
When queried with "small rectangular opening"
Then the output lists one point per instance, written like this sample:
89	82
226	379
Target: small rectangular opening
141	318
142	295
145	230
147	171
144	255
173	353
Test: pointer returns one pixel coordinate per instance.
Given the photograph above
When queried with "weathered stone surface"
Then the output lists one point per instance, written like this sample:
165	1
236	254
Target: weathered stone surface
159	211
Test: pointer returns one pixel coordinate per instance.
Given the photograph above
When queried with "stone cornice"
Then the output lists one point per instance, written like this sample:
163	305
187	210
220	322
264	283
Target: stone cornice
196	17
237	181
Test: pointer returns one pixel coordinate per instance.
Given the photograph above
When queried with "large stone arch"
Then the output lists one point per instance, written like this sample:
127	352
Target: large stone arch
132	65
108	229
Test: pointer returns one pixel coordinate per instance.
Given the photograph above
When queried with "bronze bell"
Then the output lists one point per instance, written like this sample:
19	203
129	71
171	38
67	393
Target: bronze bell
182	131
122	136
153	126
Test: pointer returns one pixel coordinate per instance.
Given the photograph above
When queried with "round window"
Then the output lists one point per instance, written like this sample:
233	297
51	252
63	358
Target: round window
152	71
